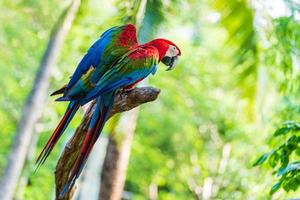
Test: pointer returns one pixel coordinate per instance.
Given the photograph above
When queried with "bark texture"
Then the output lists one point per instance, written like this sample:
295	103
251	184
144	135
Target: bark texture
124	101
34	104
117	157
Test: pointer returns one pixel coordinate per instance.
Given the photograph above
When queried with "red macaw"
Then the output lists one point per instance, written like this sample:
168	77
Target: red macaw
109	48
114	62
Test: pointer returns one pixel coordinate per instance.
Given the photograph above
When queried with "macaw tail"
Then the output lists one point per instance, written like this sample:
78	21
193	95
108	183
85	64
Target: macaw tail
96	125
59	91
64	122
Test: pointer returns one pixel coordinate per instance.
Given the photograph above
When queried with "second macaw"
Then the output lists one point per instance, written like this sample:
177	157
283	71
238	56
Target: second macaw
109	48
103	81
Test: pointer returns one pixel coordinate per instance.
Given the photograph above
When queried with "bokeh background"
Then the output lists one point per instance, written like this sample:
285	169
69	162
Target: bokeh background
236	84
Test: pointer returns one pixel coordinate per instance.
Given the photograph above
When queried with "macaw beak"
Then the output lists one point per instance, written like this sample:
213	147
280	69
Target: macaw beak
170	62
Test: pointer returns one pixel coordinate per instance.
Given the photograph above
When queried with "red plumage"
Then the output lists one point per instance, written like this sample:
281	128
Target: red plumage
127	37
125	63
162	46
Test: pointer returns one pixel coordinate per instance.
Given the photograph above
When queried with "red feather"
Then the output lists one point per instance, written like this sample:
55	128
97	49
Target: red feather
56	135
127	38
162	46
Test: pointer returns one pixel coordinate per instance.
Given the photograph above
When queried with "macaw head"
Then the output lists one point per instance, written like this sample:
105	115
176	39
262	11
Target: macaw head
168	52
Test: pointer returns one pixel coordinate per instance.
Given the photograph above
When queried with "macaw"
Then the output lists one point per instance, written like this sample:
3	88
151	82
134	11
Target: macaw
109	48
102	83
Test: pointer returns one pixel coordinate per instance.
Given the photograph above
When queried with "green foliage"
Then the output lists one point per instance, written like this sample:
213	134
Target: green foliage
199	130
282	57
128	11
287	128
280	158
24	33
238	19
283	52
179	144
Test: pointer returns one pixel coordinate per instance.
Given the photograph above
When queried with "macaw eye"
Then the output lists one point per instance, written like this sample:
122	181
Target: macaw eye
174	50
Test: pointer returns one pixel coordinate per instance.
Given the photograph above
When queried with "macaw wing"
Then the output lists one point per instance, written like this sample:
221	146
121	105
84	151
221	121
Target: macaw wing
119	39
135	65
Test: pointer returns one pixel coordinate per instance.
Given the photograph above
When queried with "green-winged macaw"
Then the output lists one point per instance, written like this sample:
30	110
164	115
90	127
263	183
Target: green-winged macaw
116	61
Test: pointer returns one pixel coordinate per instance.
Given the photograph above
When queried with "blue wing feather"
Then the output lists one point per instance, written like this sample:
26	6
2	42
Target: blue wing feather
92	57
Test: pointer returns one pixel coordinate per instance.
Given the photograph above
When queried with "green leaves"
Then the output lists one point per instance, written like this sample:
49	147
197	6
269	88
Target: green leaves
237	18
289	172
284	48
262	159
275	188
287	127
290	168
290	178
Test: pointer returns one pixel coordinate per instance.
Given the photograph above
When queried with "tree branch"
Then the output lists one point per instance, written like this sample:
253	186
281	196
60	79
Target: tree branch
124	101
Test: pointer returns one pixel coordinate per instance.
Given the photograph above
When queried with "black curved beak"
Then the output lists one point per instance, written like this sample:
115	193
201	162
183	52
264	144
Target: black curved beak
169	61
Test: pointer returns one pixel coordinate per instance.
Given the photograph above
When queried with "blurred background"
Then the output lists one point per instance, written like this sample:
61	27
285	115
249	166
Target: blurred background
225	125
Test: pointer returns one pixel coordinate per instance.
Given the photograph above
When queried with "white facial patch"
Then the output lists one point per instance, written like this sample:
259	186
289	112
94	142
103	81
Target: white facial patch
172	51
175	61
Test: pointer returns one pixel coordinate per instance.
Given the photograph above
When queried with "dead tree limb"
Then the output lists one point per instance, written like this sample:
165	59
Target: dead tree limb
113	174
124	101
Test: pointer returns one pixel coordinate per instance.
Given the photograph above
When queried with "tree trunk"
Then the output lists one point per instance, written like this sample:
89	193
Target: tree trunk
34	104
123	102
117	157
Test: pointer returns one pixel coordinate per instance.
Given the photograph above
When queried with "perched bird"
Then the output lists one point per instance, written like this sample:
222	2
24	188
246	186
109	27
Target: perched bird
104	80
108	49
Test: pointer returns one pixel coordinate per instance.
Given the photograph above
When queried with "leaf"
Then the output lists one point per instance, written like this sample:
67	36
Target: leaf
287	127
262	159
298	151
282	131
292	142
284	157
294	184
275	188
273	159
286	186
291	167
